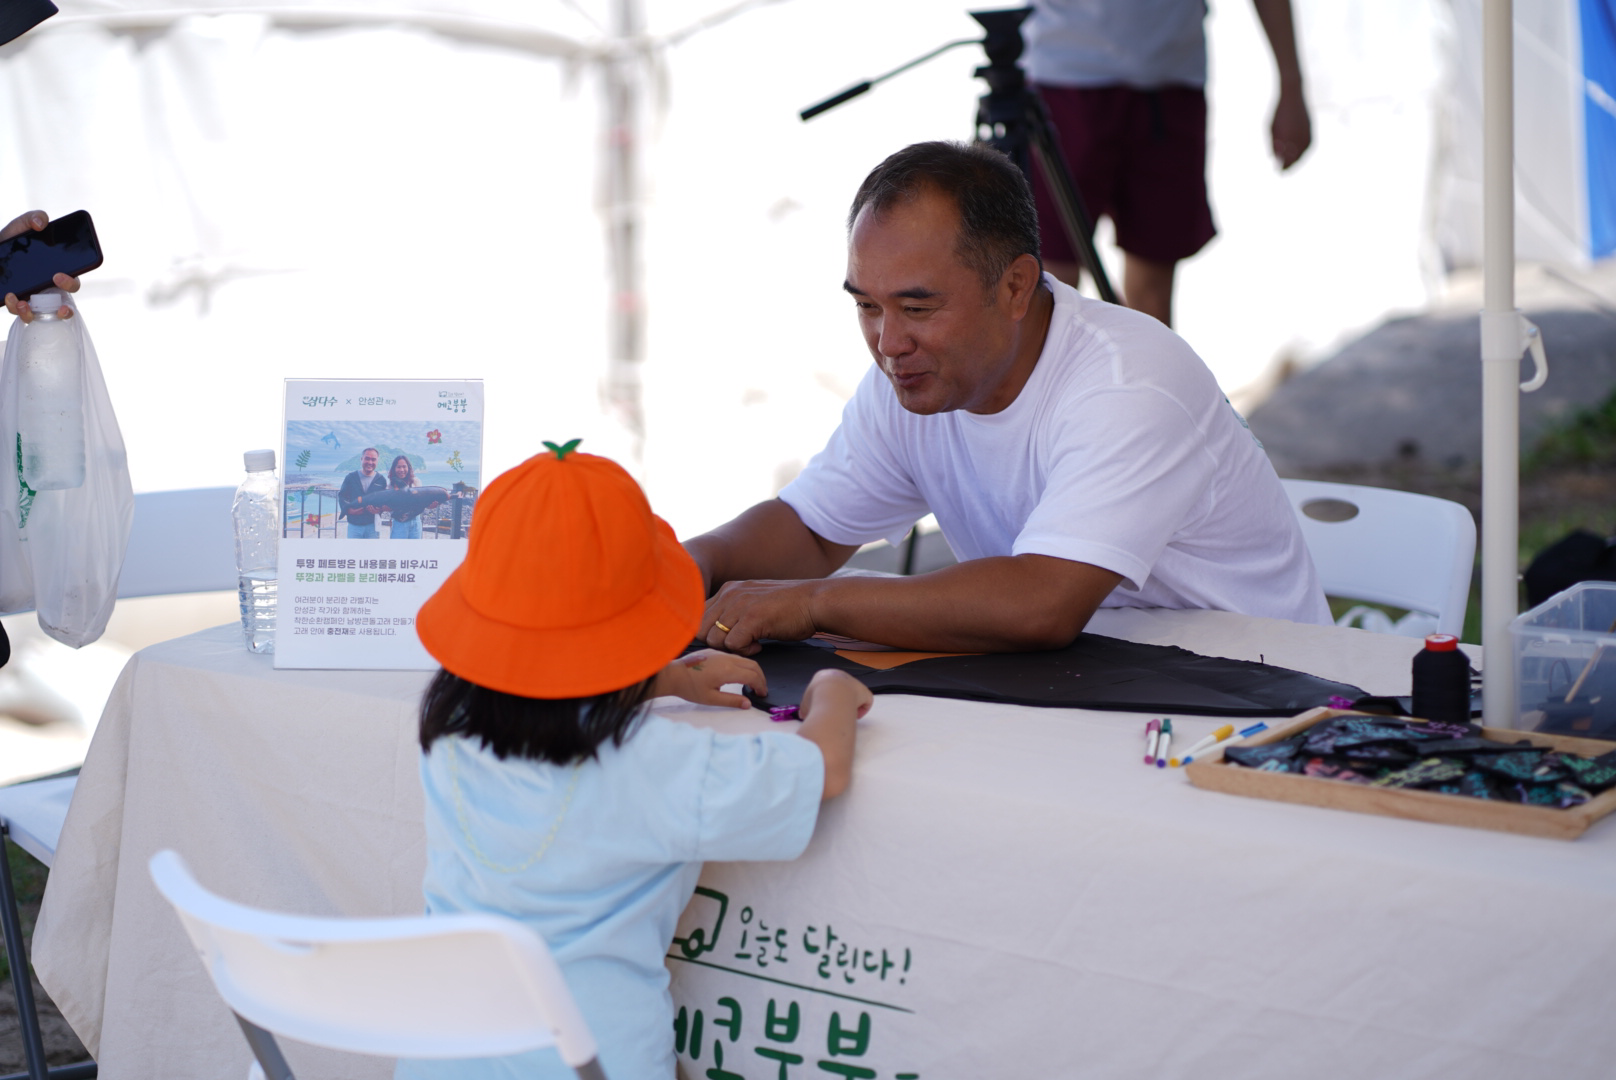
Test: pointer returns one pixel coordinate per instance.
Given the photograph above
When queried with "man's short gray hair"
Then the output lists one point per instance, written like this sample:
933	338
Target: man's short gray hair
998	219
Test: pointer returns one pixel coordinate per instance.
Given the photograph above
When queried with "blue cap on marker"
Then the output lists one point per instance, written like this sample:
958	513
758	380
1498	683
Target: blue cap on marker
1252	730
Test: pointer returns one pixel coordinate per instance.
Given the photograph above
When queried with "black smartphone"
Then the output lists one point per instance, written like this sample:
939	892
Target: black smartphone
29	262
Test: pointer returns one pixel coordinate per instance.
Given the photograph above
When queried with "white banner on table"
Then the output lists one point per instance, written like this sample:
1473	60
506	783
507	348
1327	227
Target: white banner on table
381	478
755	980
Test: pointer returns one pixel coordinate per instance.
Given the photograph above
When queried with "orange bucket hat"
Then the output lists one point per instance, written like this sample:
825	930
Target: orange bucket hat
571	587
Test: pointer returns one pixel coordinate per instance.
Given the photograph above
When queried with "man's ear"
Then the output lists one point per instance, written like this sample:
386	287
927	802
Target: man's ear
1020	283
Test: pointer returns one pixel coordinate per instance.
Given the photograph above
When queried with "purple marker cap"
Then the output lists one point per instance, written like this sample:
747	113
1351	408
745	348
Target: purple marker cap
783	712
1339	702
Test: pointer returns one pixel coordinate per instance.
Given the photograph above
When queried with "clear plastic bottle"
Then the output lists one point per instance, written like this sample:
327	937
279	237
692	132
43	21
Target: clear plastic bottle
257	514
50	406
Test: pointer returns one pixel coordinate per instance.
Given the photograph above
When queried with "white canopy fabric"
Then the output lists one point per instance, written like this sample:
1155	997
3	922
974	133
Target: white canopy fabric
365	189
1564	199
405	193
554	29
280	200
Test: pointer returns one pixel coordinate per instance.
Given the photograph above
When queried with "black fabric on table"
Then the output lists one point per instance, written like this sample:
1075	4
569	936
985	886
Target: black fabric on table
1094	672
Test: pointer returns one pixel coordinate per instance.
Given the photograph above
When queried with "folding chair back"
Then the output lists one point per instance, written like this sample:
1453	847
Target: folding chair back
180	542
1389	547
441	987
33	812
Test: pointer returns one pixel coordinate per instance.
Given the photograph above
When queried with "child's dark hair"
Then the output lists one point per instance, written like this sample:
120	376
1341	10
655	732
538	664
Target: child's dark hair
558	730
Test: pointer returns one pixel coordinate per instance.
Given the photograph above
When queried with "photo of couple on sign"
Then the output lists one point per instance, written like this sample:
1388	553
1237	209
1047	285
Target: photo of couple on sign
394	479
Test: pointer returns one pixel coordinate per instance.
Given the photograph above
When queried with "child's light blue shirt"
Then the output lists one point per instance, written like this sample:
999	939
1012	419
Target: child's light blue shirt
601	858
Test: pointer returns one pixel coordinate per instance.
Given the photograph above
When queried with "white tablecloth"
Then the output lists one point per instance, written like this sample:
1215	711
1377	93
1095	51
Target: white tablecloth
1004	891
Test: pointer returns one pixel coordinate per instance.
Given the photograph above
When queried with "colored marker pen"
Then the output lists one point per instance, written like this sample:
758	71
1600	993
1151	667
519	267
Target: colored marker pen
1166	741
1211	740
1243	732
1152	731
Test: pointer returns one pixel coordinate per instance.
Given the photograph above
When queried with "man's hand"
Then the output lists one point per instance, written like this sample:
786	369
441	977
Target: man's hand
700	677
742	613
1291	131
35	220
1012	603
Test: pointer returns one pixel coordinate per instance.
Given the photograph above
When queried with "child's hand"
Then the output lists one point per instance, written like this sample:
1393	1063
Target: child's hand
699	677
834	690
831	708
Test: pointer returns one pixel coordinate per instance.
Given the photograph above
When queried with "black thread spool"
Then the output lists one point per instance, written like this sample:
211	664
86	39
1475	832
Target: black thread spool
1442	681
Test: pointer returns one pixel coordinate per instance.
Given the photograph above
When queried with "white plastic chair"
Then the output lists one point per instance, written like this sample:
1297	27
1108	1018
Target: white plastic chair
31	816
1389	547
180	542
447	986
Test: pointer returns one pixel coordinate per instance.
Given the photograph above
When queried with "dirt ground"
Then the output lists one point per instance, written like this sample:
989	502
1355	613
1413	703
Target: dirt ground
62	1047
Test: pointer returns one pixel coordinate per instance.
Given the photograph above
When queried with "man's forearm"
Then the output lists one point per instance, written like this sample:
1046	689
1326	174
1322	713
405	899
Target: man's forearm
767	541
1009	604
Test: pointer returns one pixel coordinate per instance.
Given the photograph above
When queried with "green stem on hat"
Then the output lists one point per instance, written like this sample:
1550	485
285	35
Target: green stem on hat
561	452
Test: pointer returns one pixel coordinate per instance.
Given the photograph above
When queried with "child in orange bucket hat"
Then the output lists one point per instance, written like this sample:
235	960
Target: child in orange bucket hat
553	794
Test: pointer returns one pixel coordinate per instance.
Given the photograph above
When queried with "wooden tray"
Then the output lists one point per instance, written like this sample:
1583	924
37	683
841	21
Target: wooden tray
1213	773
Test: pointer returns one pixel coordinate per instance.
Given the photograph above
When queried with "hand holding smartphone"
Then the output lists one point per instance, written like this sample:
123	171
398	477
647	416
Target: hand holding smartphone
31	256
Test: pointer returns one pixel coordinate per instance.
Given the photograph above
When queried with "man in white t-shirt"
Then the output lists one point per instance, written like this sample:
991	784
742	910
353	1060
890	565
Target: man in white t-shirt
1076	454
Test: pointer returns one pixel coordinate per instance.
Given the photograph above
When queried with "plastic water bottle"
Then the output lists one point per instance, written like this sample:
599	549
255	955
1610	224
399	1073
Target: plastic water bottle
50	406
257	514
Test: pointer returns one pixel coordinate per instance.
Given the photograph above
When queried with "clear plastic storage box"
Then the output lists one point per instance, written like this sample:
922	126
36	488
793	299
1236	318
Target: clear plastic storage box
1565	662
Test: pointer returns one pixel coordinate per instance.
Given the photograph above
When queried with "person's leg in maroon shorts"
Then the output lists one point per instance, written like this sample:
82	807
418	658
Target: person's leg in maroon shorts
1161	211
1090	128
1149	149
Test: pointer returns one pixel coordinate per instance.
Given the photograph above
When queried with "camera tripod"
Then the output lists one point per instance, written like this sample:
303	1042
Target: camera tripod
1012	119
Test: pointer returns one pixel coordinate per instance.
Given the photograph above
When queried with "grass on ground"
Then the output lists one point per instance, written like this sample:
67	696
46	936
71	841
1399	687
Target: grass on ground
29	877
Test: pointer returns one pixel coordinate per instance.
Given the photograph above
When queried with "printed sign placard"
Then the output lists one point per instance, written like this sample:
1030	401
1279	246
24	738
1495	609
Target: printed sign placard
381	480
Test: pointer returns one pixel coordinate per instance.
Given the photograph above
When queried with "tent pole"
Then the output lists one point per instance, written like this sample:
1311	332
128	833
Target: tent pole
625	72
1501	348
